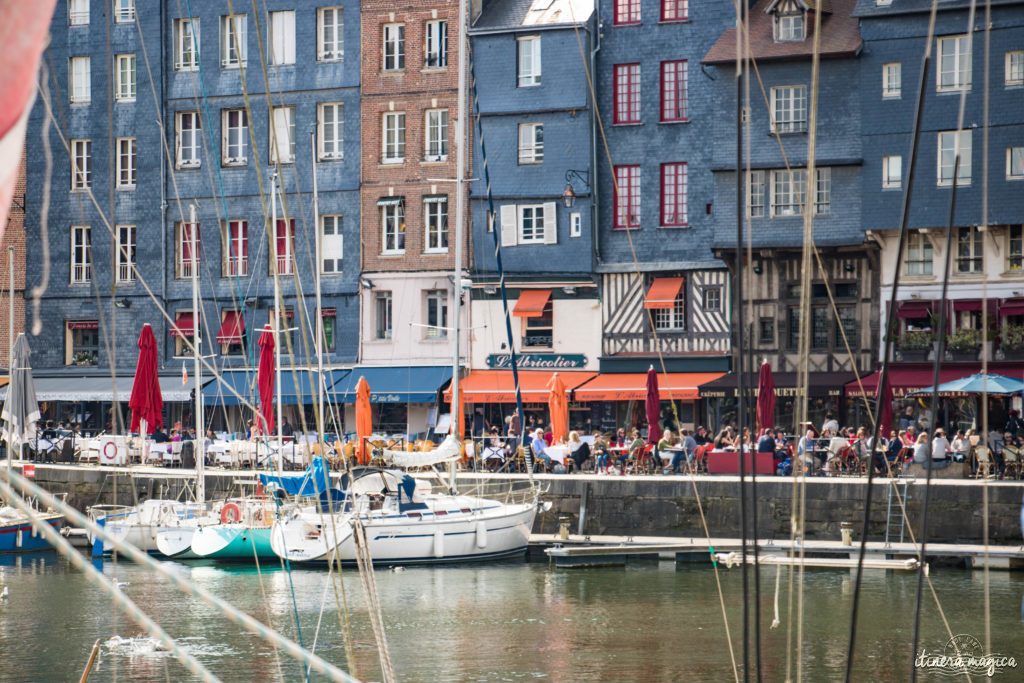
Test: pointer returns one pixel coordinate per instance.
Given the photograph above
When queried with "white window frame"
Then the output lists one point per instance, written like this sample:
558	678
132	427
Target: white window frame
707	295
436	44
788	192
81	164
954	48
331	244
436	304
78	12
755	194
790	28
80	77
383	328
188	154
975	252
392	225
393	44
124	78
126	163
333	49
892	172
1015	171
435	221
127	243
672	319
235	241
528	58
531	143
575	224
331	133
281	37
436	148
81	254
393	137
947	141
286	260
124	11
823	191
183	266
186	44
532	215
233	48
235	153
181	348
1014	70
283	119
920	255
892	80
789	109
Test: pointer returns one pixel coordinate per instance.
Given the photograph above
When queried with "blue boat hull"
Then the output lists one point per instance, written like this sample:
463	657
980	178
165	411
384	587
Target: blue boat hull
18	538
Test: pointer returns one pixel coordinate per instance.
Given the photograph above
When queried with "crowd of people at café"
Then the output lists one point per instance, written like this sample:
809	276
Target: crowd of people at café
825	449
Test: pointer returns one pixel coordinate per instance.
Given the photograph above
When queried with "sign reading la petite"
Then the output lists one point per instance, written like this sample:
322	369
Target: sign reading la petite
537	361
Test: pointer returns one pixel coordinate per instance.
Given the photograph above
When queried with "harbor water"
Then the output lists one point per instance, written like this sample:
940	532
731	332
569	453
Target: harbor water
511	621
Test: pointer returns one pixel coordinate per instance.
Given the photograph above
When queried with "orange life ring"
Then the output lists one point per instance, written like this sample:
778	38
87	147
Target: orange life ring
230	513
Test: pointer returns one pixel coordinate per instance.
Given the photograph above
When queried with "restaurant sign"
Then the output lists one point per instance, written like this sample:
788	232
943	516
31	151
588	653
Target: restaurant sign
537	361
781	392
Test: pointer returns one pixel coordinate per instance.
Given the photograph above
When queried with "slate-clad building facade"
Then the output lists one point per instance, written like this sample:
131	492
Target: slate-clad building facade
844	299
153	106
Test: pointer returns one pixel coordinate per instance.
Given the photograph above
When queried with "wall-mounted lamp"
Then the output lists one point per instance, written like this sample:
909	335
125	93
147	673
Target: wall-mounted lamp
848	267
569	195
122	303
570	290
758	269
365	283
252	302
490	290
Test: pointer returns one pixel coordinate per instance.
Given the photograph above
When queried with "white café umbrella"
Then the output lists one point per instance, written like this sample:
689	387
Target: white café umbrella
21	410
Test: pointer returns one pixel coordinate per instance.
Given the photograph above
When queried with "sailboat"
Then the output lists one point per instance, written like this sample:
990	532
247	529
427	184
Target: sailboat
405	518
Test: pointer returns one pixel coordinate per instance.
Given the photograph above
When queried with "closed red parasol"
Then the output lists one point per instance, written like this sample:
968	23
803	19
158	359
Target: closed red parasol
765	398
364	421
652	406
265	380
146	401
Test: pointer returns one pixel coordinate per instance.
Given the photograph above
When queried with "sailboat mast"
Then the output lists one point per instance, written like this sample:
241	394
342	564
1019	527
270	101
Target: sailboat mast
278	313
10	334
320	422
197	340
460	175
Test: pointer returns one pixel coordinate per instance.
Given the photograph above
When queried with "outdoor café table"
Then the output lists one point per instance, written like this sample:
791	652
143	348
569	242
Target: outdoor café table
667	453
493	453
557	453
728	462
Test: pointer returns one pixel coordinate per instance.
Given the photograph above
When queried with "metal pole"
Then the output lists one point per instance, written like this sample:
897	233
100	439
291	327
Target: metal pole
197	341
320	422
278	312
10	316
460	175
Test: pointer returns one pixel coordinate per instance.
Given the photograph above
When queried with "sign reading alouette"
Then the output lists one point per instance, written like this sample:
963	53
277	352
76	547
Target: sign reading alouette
537	361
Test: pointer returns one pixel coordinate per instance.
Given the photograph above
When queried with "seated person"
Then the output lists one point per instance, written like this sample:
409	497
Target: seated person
540	447
159	436
766	442
578	450
600	451
636	450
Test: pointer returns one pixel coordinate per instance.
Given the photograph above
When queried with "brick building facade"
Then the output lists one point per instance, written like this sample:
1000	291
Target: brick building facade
14	236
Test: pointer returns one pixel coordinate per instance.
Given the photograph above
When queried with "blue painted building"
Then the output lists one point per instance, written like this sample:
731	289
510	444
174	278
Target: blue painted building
664	293
781	42
988	256
171	109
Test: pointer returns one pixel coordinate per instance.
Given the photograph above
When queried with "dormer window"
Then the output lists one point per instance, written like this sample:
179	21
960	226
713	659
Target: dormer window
790	27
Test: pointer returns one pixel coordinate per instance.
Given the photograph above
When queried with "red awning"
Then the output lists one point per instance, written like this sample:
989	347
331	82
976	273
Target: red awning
904	380
663	292
632	386
975	305
183	326
232	329
531	303
1011	307
914	309
496	386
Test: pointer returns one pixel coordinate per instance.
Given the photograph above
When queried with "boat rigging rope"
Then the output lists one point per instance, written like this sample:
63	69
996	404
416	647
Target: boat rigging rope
228	610
365	563
778	574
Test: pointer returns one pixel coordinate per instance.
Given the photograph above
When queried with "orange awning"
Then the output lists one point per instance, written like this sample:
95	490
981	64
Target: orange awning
495	386
531	303
663	292
183	326
232	329
632	386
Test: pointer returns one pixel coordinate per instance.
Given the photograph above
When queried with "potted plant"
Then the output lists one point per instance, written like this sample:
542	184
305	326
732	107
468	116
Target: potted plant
84	358
915	344
1011	341
964	343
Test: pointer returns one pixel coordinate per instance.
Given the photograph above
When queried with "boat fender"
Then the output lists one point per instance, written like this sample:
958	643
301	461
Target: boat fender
481	535
438	543
230	513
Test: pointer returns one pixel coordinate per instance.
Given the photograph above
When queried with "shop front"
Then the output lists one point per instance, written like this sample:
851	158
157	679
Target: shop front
616	400
824	397
404	400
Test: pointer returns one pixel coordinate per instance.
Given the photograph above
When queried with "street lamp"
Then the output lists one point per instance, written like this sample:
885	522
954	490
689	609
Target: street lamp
569	195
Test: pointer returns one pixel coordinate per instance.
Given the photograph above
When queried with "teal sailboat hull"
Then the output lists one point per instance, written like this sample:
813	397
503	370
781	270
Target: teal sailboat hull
232	542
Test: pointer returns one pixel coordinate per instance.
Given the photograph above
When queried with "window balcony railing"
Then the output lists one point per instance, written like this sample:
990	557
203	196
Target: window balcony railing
125	273
81	273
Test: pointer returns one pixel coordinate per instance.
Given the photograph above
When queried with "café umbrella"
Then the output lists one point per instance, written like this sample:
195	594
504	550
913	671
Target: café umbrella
765	398
979	383
146	402
559	409
21	410
652	406
265	380
364	420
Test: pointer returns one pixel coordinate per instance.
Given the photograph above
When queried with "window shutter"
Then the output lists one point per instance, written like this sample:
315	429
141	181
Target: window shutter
177	139
550	223
509	226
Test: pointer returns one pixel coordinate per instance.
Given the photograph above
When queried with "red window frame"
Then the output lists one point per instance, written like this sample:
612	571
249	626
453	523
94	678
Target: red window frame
675	10
627	93
627	179
673	90
238	233
673	194
626	12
